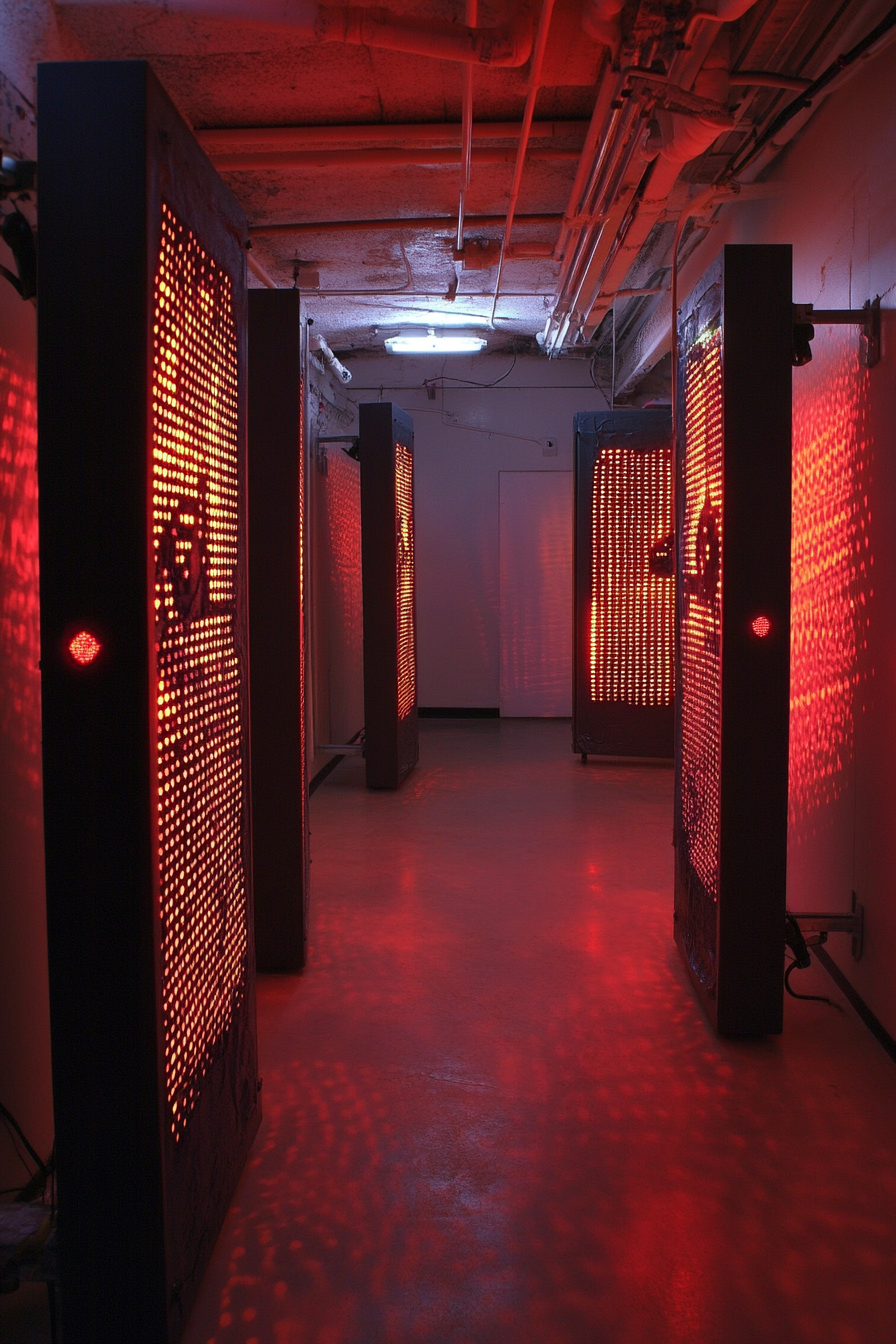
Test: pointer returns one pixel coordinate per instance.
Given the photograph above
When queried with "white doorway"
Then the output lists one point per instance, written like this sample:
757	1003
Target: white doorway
536	509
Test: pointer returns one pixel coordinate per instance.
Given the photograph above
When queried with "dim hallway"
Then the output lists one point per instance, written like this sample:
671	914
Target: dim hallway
494	1112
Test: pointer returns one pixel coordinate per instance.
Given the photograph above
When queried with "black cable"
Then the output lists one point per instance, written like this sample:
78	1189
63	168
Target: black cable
11	1120
468	382
814	998
804	99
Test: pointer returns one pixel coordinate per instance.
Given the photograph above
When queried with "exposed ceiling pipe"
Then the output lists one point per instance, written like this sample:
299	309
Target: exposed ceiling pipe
219	140
595	238
508	44
259	271
252	161
423	223
466	134
541	38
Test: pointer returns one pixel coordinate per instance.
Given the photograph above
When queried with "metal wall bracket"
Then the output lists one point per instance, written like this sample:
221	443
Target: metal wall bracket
825	923
806	317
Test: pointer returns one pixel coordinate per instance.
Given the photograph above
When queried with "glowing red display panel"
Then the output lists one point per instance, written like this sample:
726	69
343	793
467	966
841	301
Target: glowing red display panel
84	648
623	659
733	493
199	674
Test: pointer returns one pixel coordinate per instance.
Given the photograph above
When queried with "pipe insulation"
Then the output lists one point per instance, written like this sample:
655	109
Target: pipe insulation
508	44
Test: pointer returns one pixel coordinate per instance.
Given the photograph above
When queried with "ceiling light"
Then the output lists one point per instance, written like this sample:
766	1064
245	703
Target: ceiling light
428	343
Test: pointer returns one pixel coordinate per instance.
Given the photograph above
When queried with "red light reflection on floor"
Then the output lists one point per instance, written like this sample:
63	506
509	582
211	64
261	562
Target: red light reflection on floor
831	566
476	1133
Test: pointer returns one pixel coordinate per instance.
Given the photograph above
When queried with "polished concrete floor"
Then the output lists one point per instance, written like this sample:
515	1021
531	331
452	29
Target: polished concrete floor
495	1113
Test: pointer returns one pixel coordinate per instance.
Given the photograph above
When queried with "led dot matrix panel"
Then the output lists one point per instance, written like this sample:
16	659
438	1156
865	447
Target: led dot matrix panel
733	490
146	781
387	551
624	593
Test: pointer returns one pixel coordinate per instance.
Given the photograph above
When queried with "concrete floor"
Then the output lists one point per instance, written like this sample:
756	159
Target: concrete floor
495	1113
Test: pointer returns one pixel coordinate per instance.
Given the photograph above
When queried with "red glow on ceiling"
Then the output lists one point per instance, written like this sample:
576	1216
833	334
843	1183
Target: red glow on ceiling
404	506
701	632
84	648
761	626
631	653
831	568
199	667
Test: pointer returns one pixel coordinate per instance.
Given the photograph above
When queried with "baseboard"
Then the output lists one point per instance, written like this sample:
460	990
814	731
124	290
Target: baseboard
874	1025
456	712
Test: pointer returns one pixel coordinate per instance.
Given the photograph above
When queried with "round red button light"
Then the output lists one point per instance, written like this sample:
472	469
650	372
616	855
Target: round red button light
761	627
84	647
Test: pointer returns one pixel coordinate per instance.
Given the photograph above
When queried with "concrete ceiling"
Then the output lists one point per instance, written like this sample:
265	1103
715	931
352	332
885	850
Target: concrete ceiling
224	73
363	283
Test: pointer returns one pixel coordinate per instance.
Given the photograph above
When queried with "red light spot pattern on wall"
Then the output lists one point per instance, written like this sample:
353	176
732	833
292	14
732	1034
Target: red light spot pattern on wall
831	567
631	636
404	579
84	648
761	626
701	634
199	721
19	608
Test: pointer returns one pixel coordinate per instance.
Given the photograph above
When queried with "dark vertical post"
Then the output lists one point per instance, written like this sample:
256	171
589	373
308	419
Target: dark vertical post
145	697
276	628
733	628
387	555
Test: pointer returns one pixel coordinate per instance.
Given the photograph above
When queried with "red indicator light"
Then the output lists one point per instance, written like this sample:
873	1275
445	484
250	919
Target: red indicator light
761	627
84	647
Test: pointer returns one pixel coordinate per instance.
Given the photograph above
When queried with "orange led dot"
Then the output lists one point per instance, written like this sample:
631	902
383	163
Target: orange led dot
761	626
84	647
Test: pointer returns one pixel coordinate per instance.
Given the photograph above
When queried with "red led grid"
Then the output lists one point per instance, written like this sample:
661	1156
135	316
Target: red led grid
631	636
84	647
199	720
831	568
404	511
701	631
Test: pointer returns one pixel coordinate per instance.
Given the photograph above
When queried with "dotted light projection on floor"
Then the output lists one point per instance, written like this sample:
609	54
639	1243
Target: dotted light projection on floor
631	636
404	508
199	720
831	567
701	632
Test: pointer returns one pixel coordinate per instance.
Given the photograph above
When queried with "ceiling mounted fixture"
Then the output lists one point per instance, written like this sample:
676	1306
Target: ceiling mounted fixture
428	343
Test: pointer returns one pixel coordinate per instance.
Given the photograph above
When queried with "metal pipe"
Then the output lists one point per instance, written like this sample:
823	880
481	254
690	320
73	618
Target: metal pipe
508	44
221	139
439	222
466	134
250	161
544	23
259	271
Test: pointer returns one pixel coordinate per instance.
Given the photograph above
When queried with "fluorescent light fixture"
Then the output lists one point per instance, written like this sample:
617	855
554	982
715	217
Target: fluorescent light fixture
428	343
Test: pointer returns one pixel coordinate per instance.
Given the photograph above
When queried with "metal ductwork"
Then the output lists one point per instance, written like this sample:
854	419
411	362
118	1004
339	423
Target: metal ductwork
507	44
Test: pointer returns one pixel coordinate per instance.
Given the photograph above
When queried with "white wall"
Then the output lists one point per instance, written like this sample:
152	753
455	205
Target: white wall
837	206
462	440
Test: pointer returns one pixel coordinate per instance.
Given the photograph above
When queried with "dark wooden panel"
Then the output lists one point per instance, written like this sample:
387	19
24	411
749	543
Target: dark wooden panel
733	464
276	606
623	646
387	554
148	844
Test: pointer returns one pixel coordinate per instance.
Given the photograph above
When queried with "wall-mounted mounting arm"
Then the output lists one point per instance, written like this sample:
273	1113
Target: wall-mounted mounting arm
824	923
806	317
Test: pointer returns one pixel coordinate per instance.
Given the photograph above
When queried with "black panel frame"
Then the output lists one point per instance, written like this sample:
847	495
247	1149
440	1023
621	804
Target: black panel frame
390	743
277	533
138	1215
610	728
748	291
